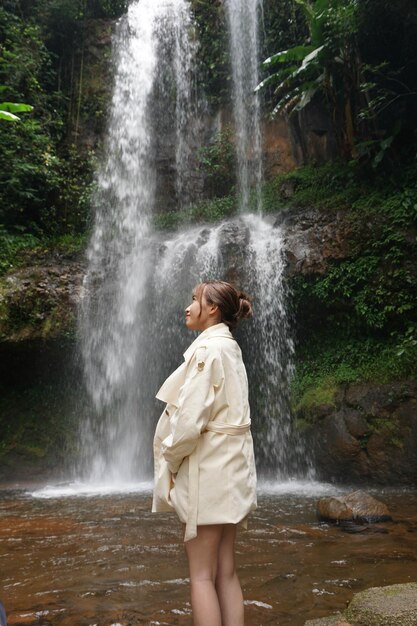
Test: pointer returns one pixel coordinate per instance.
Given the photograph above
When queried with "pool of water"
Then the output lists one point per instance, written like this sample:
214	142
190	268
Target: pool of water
76	555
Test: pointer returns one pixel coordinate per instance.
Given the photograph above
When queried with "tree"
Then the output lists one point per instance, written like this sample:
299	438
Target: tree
328	63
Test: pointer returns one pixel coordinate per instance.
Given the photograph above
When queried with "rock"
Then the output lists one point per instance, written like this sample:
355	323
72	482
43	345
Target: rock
395	605
278	150
313	135
333	509
367	508
314	237
39	300
355	423
332	620
358	506
334	447
367	434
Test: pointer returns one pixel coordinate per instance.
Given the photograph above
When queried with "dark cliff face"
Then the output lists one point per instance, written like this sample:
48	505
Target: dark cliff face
366	434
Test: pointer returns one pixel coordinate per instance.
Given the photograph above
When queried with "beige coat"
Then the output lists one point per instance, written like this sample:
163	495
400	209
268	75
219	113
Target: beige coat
203	438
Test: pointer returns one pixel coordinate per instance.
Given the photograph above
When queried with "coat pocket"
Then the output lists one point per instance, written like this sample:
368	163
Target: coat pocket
161	495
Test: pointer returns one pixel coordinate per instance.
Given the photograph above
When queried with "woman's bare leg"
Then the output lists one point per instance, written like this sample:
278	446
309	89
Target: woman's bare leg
228	587
202	553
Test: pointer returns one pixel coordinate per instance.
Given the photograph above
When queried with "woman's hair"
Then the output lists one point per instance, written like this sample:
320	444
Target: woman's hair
233	304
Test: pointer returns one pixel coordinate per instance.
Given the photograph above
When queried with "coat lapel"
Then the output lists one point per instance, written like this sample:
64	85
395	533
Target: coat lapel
170	390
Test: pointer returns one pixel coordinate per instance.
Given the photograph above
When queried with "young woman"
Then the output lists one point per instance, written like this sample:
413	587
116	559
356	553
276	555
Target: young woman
204	462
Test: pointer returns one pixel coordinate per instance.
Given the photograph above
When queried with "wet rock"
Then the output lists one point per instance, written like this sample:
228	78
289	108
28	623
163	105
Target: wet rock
333	509
395	605
367	508
358	506
278	152
233	243
313	237
367	434
313	135
355	423
332	620
40	299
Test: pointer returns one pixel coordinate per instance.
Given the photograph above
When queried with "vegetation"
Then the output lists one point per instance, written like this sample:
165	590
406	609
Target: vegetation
281	24
218	163
358	320
344	64
45	188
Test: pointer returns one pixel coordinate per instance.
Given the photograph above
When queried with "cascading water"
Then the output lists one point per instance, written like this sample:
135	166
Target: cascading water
269	346
153	35
242	16
131	327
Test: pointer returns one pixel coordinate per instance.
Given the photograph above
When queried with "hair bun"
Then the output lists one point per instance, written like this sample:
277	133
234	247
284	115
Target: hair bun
245	306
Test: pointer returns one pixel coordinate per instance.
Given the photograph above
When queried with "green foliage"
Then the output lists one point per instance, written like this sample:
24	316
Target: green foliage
46	184
281	23
218	162
8	110
372	288
207	211
332	186
75	10
332	358
322	392
214	76
11	245
324	63
357	321
387	39
357	60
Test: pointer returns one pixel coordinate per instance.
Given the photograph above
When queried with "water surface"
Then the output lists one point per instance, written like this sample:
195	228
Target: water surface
102	558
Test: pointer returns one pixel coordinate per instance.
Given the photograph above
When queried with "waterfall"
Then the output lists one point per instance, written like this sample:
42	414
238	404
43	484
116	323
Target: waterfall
269	344
249	250
153	55
242	17
131	330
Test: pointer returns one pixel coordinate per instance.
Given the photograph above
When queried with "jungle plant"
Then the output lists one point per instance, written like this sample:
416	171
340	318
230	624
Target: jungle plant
217	161
8	110
327	63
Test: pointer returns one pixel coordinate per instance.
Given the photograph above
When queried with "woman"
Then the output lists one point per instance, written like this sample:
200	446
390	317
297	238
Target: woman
204	463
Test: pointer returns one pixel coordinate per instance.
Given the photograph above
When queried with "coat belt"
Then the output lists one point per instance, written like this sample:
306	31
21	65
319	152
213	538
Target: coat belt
194	469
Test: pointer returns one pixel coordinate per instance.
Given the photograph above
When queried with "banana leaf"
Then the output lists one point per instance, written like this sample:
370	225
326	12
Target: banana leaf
298	53
15	107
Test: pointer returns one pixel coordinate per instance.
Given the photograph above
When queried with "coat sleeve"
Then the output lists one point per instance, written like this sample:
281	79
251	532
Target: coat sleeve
196	399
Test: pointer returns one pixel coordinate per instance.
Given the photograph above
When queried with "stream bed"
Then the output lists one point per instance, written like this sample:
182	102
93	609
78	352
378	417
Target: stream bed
74	557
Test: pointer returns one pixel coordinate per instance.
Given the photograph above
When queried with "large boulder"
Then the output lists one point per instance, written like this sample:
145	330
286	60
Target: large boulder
358	506
395	605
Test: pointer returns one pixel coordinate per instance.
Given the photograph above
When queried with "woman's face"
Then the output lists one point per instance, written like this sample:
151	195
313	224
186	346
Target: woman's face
200	318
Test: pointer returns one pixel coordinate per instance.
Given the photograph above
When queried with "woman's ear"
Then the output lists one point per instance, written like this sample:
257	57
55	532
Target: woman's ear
214	310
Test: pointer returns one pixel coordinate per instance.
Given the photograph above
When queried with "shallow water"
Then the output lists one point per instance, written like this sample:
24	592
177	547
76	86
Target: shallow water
102	558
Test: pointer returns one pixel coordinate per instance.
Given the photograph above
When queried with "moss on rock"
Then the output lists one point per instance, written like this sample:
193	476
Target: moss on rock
394	605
